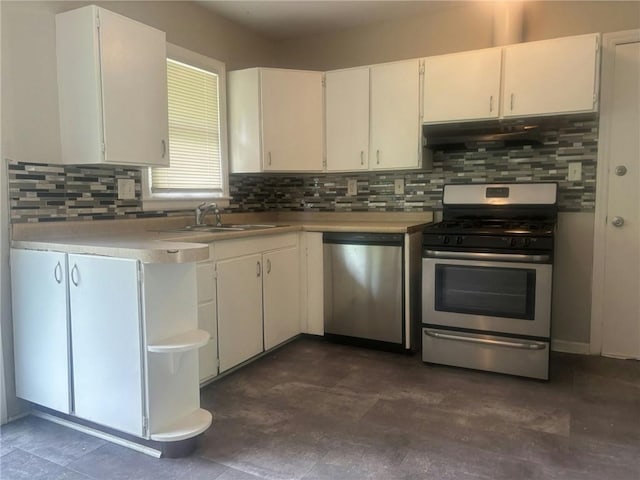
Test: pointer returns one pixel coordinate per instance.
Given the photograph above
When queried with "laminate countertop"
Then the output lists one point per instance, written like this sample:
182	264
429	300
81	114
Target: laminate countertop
160	241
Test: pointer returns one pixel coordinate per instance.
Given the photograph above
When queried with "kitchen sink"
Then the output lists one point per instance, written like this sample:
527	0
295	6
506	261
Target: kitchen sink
219	228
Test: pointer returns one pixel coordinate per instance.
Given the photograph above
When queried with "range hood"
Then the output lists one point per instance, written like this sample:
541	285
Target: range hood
488	133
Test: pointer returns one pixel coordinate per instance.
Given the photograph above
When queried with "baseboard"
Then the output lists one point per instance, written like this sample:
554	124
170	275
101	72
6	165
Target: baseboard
566	346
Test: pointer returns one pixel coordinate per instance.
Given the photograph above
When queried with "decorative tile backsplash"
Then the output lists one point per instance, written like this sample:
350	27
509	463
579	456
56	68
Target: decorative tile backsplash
40	193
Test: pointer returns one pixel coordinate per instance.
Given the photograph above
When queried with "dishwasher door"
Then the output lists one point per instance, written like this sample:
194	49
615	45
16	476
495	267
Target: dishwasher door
363	286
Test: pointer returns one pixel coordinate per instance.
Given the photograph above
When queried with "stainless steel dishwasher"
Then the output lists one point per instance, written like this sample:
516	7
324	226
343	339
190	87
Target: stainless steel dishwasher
364	288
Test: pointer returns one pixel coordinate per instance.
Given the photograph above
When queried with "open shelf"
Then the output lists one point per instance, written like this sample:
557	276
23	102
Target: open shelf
186	427
182	342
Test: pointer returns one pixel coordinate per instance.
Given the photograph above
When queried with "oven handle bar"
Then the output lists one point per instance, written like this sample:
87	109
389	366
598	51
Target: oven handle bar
504	257
500	343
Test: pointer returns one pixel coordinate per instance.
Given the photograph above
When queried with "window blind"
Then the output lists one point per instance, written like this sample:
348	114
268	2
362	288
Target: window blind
194	132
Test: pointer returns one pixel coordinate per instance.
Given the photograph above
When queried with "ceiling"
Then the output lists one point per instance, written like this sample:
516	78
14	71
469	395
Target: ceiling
287	19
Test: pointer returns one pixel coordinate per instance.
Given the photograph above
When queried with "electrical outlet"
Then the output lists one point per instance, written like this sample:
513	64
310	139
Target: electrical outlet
398	186
352	187
126	189
575	172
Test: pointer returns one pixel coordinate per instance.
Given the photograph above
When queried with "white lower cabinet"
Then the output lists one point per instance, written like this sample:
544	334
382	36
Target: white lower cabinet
122	336
258	295
207	320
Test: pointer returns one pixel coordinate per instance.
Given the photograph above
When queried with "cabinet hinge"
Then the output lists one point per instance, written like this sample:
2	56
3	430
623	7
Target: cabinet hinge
98	21
103	147
422	68
215	271
218	365
140	273
145	425
324	81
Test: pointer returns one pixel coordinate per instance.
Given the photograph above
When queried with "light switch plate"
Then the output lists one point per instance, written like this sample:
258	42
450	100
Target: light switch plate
575	172
398	186
352	187
126	189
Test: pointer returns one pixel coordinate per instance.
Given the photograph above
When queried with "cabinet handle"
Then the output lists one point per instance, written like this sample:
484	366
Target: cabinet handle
361	157
258	269
164	148
268	266
378	157
491	104
75	275
57	273
269	155
512	102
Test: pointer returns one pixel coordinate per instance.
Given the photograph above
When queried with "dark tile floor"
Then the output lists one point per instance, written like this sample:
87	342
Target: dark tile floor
314	410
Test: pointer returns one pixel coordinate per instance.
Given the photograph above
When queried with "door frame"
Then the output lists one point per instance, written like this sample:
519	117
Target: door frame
609	43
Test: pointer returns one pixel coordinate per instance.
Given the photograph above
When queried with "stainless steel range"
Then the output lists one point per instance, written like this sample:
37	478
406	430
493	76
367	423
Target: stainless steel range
486	278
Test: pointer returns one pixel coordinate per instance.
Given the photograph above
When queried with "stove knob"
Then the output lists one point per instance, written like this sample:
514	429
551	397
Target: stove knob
446	240
527	242
459	241
512	242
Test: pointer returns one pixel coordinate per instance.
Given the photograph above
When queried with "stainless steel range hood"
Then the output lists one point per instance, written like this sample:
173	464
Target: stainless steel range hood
485	133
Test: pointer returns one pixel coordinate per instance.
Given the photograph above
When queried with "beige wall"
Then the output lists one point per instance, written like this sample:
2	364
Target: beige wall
449	30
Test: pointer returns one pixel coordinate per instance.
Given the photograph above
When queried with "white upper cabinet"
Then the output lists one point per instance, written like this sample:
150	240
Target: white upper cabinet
551	76
462	86
347	119
395	115
112	89
275	120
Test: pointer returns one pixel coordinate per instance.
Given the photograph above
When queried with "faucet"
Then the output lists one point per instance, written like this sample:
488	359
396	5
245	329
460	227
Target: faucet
203	209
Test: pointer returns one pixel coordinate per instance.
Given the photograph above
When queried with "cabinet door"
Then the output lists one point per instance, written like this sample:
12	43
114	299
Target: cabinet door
208	355
347	119
239	287
395	115
281	296
551	76
134	91
41	328
462	86
292	113
107	341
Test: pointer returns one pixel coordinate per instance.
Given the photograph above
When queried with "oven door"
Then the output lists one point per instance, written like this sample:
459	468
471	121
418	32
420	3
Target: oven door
484	293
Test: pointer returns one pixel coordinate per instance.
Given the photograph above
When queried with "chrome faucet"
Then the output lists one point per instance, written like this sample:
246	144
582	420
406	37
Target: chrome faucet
203	209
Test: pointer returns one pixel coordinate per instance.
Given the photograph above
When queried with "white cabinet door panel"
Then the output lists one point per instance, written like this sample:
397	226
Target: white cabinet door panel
107	338
239	286
281	298
347	119
462	86
41	328
550	76
395	115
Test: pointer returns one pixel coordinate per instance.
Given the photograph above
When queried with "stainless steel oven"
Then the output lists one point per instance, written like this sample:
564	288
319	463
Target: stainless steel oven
487	279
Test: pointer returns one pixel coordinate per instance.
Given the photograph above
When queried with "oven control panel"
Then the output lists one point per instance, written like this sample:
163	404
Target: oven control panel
489	242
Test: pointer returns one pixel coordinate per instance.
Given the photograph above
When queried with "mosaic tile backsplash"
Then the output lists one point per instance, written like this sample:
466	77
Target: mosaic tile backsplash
40	193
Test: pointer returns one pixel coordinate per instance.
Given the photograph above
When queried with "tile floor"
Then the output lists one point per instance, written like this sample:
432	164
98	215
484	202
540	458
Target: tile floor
313	410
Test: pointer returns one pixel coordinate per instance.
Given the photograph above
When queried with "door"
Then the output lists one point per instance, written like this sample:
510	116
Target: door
281	300
616	257
395	115
551	76
347	119
133	58
462	86
239	286
41	328
292	113
106	335
207	355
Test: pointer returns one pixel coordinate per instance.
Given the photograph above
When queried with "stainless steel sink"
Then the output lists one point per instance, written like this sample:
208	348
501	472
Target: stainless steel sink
218	228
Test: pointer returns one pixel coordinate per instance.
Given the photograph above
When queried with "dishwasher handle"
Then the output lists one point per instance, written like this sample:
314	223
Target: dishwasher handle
353	238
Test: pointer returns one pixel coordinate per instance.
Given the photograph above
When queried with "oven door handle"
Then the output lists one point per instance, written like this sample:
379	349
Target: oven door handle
499	343
504	257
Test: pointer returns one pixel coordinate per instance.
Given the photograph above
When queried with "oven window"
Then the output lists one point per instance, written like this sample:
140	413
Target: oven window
491	291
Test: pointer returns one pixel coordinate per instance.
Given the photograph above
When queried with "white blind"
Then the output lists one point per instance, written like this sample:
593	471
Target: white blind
194	132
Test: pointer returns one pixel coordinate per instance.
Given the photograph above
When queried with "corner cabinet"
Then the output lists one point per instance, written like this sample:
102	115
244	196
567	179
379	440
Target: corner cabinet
258	295
275	120
462	86
112	89
116	344
551	76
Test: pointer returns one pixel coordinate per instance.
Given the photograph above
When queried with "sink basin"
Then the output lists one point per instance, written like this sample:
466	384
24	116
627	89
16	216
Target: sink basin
218	228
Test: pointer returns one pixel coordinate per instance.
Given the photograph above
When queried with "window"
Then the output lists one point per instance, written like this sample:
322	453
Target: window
197	135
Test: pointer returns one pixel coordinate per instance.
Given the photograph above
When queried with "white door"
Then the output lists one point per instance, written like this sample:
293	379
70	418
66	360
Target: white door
239	286
618	282
107	341
292	113
462	86
347	119
395	115
207	355
281	299
41	328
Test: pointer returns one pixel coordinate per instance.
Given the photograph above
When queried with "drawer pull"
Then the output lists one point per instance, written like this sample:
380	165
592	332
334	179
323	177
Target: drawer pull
486	341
